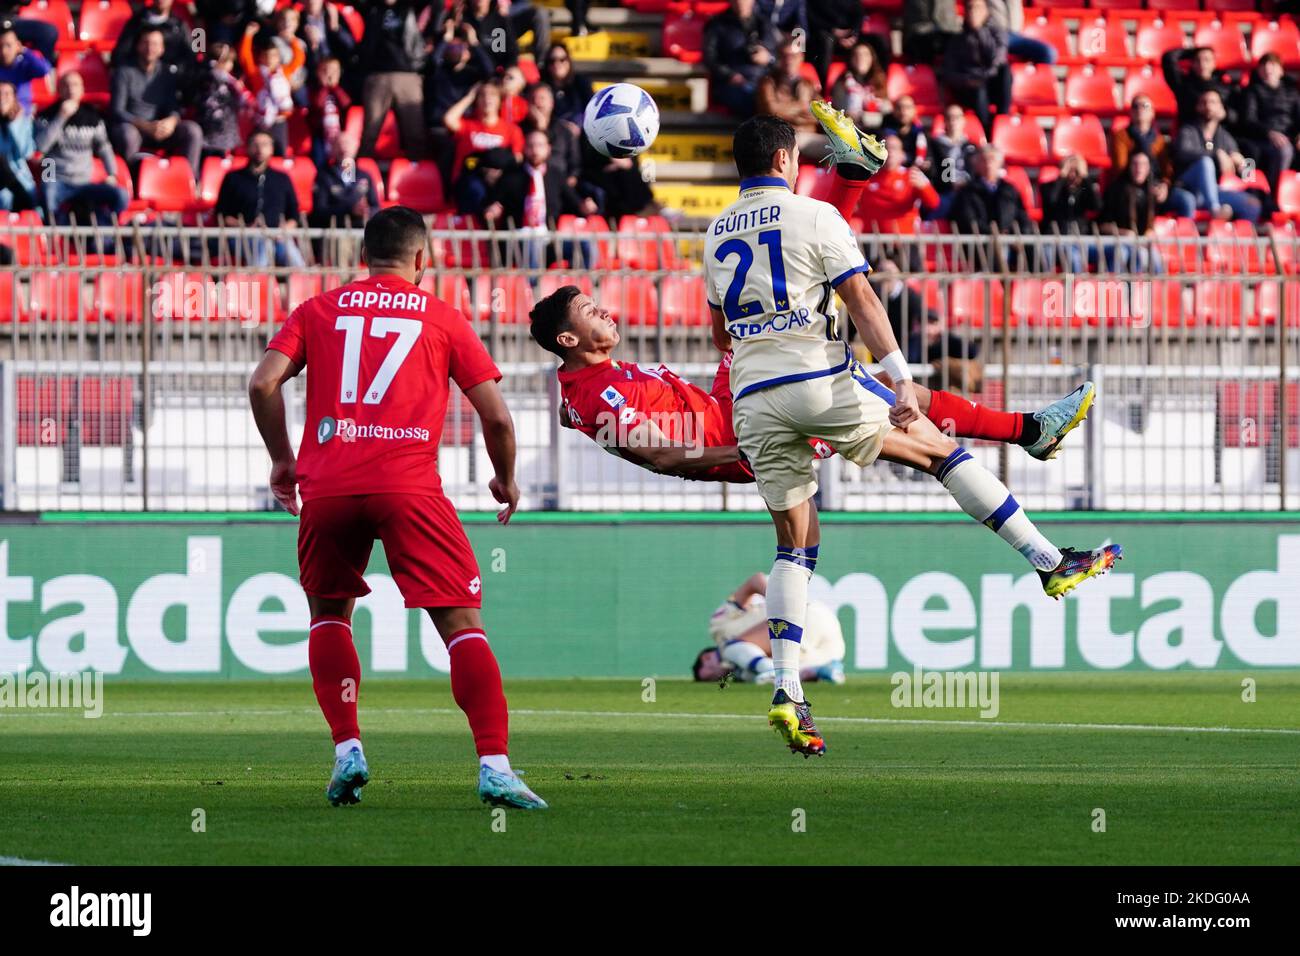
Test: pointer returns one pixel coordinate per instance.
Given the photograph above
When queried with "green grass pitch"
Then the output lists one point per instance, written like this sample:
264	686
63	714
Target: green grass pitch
693	777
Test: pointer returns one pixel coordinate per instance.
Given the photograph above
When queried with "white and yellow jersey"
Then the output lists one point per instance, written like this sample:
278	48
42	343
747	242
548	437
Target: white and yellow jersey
772	261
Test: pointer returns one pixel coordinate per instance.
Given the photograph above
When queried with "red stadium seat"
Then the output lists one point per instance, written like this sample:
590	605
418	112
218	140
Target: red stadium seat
1104	41
102	22
683	300
1177	248
974	128
642	243
388	145
1080	134
211	174
918	81
505	298
683	38
1280	37
252	298
1227	42
354	124
1173	4
1090	90
1216	303
11	303
1235	249
452	253
1288	195
1018	178
1052	31
57	14
833	73
118	297
166	183
451	288
1022	141
1152	83
588	225
57	296
555	279
632	300
1269	307
814	181
1157	36
354	19
23	232
1033	89
418	185
302	173
303	286
975	302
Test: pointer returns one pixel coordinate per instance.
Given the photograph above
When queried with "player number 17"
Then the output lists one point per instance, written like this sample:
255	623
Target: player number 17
352	326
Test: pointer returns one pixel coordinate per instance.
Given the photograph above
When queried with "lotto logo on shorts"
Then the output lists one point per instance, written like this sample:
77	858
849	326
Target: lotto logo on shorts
475	586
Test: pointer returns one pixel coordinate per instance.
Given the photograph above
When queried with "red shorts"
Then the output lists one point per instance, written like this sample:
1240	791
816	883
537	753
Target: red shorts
738	472
428	554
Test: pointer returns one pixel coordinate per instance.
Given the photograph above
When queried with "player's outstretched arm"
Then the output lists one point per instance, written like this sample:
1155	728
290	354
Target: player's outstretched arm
872	322
267	400
499	436
648	446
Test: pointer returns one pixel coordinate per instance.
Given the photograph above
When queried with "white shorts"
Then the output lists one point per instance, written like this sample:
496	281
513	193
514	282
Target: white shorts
849	410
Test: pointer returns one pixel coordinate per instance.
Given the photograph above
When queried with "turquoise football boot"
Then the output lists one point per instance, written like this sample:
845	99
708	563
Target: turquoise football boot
350	775
506	790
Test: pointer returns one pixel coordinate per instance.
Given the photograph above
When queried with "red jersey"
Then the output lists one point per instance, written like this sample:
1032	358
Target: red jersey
380	353
889	201
475	136
606	401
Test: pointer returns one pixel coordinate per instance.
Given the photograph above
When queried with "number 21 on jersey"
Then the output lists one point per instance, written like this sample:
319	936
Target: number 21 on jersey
381	327
732	307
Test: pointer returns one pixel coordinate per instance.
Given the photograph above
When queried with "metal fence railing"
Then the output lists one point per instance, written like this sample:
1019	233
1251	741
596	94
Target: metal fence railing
124	355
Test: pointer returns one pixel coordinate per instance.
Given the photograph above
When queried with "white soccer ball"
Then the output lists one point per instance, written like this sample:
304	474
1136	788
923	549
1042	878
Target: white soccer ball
621	120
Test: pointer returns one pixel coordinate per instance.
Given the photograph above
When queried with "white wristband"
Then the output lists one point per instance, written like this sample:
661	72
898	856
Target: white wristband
895	366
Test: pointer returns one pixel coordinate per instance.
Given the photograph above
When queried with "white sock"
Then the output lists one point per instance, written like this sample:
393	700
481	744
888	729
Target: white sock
341	749
747	658
498	762
987	500
787	606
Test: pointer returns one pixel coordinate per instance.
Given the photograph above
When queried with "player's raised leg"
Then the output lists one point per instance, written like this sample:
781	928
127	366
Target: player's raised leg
1040	433
857	157
986	499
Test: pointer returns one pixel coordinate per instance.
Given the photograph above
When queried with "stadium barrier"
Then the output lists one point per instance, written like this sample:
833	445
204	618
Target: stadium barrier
571	595
123	357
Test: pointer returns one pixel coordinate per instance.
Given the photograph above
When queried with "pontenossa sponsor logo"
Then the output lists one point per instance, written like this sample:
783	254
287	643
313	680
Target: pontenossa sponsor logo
348	430
217	607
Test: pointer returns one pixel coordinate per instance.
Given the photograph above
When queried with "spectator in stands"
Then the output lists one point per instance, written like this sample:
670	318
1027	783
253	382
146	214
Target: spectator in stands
534	194
327	109
860	89
578	17
950	159
178	49
739	48
33	33
257	195
1128	209
975	65
220	101
343	196
925	332
566	151
903	121
513	105
527	17
1189	84
1203	152
488	23
928	25
269	84
786	16
620	181
325	34
1268	119
479	177
146	108
572	90
893	197
17	188
988	199
485	129
1069	204
1009	17
1142	136
293	51
19	66
834	28
457	67
70	134
785	92
391	57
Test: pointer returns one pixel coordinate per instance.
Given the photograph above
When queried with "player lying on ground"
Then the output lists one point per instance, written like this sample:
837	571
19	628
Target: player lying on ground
654	418
381	353
742	650
770	261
